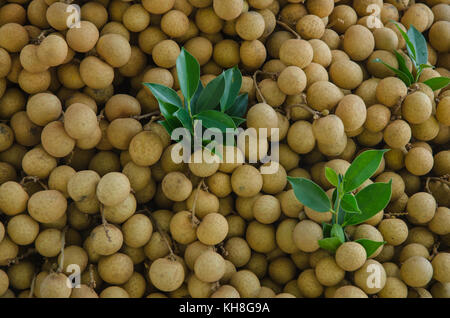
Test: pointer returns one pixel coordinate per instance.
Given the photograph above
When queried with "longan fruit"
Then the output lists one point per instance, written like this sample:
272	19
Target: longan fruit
30	61
366	231
33	83
113	188
226	291
56	141
246	283
219	184
228	10
394	231
352	111
443	111
47	206
266	209
342	17
421	208
135	18
55	285
182	228
22	229
271	92
346	74
419	161
328	273
310	27
349	292
246	181
394	288
114	49
213	229
145	148
80	121
292	80
203	163
8	251
397	134
114	292
202	49
413	249
121	131
252	54
441	163
165	53
166	274
13	37
440	222
96	73
148	38
371	277
306	143
262	116
205	203
438	290
158	6
308	284
296	52
390	90
69	76
306	234
238	251
350	256
5	62
83	38
440	265
378	117
322	53
52	51
427	130
116	268
282	270
358	42
208	22
209	267
416	271
7	172
176	186
73	255
323	95
328	129
137	230
416	108
4	282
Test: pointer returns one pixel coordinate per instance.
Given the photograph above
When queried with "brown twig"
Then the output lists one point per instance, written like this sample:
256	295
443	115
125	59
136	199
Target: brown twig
92	283
288	28
63	243
162	233
139	117
104	222
258	91
195	221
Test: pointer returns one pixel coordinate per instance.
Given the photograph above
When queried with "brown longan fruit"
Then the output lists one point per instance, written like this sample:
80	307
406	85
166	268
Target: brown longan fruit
226	291
270	92
413	249
262	116
350	256
390	90
84	38
121	131
52	50
346	74
246	181
182	228
33	83
139	176
358	42
342	17
328	273
441	264
246	283
203	163
13	37
228	10
56	141
158	6
323	95
135	18
219	184
55	285
13	101
116	268
416	108
394	231
296	52
8	251
145	148
250	25
421	208
282	270
165	53
113	188
349	292
208	22
397	134
443	111
266	209
306	143
7	172
439	37
47	206
137	230
30	61
238	251
378	117
69	76
114	49
80	121
201	48
175	23
394	288
366	231
5	62
310	27
209	267
419	161
135	64
306	234
4	282
427	130
166	274
114	292
205	203
416	271
441	163
328	129
22	229
148	38
322	53
176	186
440	222
371	277
308	284
96	73
213	229
292	80
253	54
352	111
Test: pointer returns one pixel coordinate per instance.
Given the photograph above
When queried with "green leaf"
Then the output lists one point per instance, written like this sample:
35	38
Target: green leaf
331	176
326	229
371	200
402	66
239	107
215	119
238	120
164	94
420	70
188	71
167	110
420	45
233	83
338	231
349	203
362	168
310	194
330	244
369	245
401	75
210	96
436	83
194	106
183	116
170	124
409	46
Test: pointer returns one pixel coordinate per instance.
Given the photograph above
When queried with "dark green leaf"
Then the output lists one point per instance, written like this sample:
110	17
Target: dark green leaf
167	126
326	229
409	46
215	119
238	120
171	124
233	83
310	194
239	107
402	66
210	96
167	110
330	244
362	168
401	75
183	115
338	231
349	203
369	245
371	200
188	71
164	94
436	83
331	176
420	45
194	109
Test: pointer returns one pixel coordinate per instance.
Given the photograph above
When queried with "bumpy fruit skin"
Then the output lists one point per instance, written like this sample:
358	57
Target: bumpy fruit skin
166	275
416	271
358	42
350	256
55	286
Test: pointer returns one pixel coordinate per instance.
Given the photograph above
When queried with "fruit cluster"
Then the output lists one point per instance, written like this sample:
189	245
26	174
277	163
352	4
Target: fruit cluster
88	183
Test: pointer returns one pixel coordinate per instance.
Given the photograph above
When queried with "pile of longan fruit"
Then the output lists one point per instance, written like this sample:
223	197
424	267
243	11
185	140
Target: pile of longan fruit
88	183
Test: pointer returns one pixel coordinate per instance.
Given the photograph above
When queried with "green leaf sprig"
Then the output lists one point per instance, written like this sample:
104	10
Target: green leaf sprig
416	47
218	105
347	208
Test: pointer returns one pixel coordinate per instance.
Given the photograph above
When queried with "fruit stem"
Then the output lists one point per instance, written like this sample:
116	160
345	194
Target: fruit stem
195	221
287	27
104	222
33	283
162	233
63	244
257	87
92	283
316	114
146	115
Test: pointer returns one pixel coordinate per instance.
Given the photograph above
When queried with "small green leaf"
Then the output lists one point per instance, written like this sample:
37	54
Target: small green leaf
238	120
420	45
188	71
401	75
330	244
362	168
409	46
370	246
436	83
326	229
210	96
233	83
164	94
310	194
402	66
170	124
168	110
371	200
239	107
183	116
338	231
331	176
194	109
349	203
215	119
